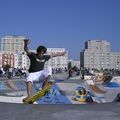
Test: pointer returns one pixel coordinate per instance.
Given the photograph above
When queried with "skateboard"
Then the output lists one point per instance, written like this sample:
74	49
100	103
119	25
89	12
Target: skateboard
39	94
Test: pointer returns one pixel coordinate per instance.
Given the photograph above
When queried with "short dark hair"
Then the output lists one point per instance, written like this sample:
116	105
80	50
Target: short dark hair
42	48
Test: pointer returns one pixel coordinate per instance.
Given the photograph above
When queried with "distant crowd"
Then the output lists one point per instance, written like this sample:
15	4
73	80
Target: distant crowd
12	72
72	72
112	72
22	72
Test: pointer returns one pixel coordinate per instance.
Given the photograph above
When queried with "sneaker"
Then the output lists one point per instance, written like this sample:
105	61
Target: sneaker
25	99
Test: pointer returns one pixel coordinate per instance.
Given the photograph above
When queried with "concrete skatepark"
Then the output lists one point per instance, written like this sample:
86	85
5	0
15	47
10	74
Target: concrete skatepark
12	109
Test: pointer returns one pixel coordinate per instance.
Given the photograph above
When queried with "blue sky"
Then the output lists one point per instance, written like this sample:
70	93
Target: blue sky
62	23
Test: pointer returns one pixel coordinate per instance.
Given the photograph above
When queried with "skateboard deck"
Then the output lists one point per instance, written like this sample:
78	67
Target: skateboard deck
39	94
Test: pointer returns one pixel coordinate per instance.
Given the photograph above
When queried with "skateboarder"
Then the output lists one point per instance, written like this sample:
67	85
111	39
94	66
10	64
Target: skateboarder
36	70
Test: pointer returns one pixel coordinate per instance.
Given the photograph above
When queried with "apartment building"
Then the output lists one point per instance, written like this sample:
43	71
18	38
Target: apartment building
58	62
97	54
12	53
8	58
13	44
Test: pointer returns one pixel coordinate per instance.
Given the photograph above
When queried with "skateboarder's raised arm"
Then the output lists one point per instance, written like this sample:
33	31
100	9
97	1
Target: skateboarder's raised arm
26	42
58	54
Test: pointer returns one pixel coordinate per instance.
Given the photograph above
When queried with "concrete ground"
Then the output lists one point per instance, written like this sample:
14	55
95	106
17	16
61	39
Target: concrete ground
13	111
